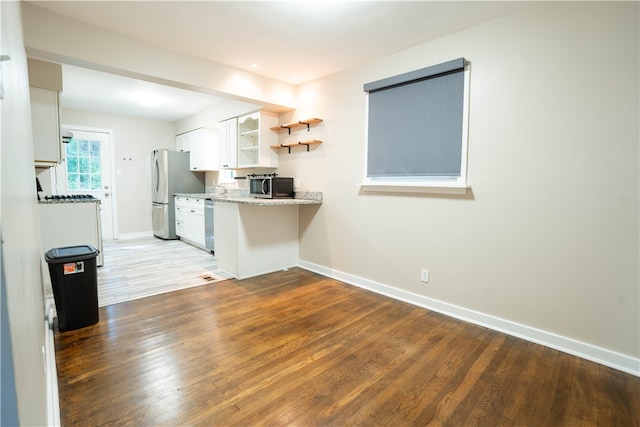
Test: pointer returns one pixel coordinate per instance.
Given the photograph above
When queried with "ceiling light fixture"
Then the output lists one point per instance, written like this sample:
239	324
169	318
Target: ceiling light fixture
254	65
148	99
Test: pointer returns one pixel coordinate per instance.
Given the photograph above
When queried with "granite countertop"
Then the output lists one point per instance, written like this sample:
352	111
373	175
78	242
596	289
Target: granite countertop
301	198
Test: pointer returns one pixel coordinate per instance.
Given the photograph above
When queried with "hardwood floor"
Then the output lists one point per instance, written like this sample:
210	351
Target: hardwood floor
296	348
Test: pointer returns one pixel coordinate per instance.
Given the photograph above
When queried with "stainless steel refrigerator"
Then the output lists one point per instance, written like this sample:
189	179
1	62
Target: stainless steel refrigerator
170	174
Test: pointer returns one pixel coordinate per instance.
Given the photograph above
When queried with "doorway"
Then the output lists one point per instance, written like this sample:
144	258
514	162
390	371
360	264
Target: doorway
86	169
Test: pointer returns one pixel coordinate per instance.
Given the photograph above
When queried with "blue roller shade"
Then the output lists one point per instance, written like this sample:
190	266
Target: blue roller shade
415	122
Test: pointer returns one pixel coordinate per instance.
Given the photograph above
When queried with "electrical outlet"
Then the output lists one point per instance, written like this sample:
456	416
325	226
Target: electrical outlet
424	275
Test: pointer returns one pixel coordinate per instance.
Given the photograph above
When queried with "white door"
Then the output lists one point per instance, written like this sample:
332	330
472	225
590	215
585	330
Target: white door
86	169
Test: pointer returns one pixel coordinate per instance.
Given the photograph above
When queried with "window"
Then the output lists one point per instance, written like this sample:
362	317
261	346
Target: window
226	176
416	129
83	165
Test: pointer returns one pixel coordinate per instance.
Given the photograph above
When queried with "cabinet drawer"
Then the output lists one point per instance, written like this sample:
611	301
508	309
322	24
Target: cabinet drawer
194	204
180	228
180	213
180	202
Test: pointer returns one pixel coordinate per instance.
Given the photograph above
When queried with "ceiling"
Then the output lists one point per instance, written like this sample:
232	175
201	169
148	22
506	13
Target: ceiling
290	41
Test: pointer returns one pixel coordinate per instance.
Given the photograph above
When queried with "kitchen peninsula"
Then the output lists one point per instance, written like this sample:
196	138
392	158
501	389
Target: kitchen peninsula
256	236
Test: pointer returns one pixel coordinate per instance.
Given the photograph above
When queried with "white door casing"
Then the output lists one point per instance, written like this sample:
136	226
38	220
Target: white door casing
106	191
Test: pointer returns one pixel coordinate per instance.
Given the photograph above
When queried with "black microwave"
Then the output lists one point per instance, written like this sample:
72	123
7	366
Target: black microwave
271	187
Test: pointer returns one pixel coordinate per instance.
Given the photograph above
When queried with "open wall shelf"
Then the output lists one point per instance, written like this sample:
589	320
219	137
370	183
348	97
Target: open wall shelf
288	145
299	123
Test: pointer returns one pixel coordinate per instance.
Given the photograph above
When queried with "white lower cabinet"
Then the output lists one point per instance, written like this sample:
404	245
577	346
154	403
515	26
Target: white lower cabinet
190	220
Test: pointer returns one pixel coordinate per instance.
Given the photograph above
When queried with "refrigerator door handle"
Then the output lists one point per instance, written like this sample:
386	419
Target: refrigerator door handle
156	173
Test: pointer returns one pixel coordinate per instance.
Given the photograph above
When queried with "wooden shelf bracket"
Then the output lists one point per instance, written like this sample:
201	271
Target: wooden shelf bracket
305	122
295	144
301	143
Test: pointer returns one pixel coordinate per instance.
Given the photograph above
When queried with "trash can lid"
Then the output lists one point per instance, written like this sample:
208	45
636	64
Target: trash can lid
70	253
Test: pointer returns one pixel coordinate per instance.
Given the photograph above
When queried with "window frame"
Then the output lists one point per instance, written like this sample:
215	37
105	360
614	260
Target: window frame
423	184
90	159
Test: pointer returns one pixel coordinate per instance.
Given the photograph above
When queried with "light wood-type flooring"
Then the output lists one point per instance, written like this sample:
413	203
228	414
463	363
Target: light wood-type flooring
138	268
298	349
145	266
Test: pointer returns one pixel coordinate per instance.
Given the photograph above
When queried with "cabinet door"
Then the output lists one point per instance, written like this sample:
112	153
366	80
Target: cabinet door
209	149
45	121
204	150
182	142
180	229
195	152
179	215
202	147
196	224
228	144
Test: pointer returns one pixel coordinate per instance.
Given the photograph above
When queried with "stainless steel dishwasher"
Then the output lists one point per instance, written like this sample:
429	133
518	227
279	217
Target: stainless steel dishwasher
208	225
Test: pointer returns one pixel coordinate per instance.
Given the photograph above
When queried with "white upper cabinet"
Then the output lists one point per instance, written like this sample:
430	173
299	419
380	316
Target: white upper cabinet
255	140
204	149
202	145
183	142
45	122
228	144
45	84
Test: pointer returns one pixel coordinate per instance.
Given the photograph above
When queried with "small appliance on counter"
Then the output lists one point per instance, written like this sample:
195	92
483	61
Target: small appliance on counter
270	186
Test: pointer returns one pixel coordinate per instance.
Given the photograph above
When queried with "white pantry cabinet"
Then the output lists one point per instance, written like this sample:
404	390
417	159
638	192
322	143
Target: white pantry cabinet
190	225
202	147
228	144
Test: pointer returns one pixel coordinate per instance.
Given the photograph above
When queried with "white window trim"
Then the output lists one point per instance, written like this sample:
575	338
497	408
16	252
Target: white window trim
435	185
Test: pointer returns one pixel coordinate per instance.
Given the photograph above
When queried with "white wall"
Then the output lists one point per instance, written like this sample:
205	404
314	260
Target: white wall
61	39
133	141
548	236
20	232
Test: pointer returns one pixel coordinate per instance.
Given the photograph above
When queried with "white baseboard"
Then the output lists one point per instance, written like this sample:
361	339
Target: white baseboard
53	403
568	345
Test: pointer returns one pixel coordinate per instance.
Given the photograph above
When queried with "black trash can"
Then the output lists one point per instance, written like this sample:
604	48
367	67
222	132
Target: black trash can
74	278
